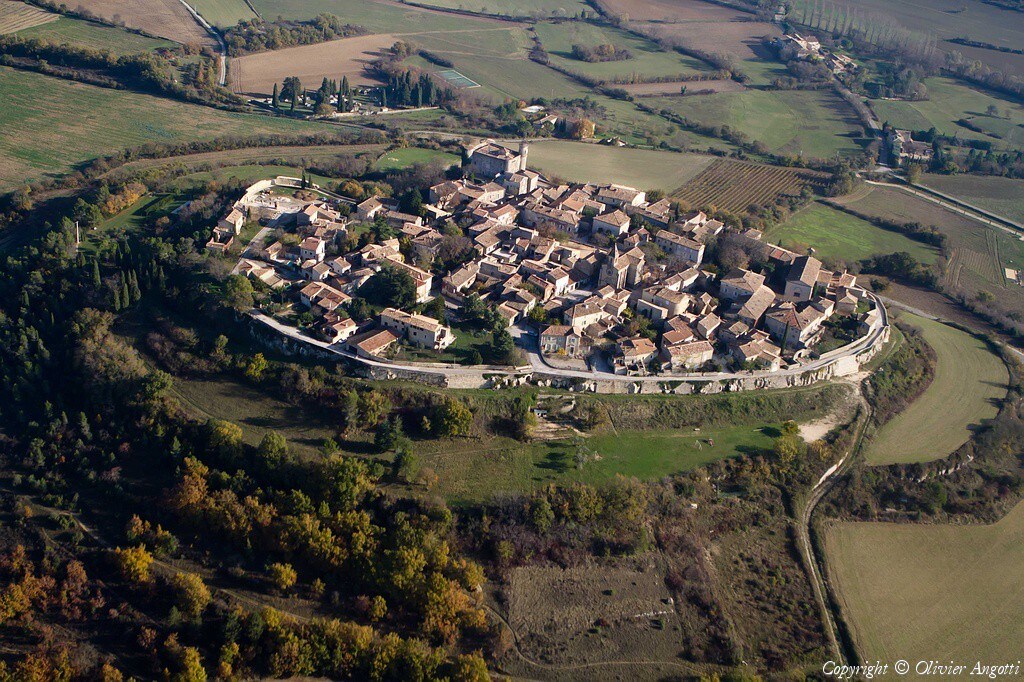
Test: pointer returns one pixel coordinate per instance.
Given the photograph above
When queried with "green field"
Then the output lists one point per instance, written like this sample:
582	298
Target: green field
648	60
836	235
949	101
223	13
812	123
640	168
969	380
405	158
922	592
476	468
1002	196
516	8
379	17
40	140
944	18
978	253
95	36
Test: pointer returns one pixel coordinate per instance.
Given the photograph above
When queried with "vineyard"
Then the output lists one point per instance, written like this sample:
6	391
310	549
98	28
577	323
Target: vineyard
15	16
735	186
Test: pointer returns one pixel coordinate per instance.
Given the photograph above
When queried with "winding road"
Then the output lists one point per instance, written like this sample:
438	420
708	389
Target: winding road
222	76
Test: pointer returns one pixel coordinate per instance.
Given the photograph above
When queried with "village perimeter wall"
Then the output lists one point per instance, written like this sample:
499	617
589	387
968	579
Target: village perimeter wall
841	362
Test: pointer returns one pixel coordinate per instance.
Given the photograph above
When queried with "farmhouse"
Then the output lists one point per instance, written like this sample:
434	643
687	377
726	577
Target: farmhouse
419	330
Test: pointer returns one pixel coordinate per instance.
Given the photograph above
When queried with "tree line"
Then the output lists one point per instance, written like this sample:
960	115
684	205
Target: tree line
258	35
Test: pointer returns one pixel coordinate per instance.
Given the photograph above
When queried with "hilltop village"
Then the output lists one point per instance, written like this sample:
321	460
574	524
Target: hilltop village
605	279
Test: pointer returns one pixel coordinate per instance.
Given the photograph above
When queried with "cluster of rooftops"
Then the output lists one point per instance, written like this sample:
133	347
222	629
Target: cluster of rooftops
581	262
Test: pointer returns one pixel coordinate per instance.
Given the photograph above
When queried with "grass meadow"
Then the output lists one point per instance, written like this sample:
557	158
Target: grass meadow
809	122
649	59
948	102
95	36
516	8
396	159
42	140
224	13
969	381
641	168
380	17
836	235
473	469
1002	196
977	252
923	592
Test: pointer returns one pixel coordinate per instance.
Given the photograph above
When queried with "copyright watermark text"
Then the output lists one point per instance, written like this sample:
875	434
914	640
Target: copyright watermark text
926	668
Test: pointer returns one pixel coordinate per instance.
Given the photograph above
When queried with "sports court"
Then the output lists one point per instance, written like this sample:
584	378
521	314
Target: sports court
456	79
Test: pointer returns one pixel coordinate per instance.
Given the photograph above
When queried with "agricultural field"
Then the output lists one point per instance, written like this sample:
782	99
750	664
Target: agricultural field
649	59
675	87
670	11
978	254
256	74
969	382
515	8
223	13
950	101
920	592
95	36
974	19
736	185
585	162
164	18
739	39
16	16
838	236
49	143
1002	196
380	16
405	158
804	122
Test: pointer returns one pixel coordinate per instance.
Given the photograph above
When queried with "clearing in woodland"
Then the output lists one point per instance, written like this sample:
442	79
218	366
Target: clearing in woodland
256	74
918	592
165	18
735	186
969	382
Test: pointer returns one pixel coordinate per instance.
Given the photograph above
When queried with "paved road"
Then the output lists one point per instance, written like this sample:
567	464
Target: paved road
222	77
990	219
537	363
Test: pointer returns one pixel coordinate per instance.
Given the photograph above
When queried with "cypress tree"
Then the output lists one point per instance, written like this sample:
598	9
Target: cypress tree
96	280
276	102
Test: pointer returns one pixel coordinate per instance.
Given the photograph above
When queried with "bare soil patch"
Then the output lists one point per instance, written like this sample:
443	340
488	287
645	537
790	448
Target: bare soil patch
256	73
675	87
16	16
619	611
165	18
